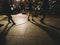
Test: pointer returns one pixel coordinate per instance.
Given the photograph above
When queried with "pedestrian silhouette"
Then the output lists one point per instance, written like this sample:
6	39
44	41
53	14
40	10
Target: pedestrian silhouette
7	10
4	33
45	8
30	10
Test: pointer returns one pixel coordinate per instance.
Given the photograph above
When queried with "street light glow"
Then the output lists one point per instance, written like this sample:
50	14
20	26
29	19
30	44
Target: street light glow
23	0
17	0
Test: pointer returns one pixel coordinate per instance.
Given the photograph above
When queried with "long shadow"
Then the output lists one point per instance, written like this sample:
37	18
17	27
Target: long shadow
1	25
3	19
51	32
3	34
51	26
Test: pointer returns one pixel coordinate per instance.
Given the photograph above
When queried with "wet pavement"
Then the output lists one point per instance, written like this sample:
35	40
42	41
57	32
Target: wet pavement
29	32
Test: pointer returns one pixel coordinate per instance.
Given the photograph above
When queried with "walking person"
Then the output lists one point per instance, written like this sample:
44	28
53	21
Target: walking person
30	10
7	11
45	8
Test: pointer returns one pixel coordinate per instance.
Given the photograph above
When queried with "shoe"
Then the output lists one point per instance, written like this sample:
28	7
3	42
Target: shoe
28	19
1	25
33	20
41	21
13	23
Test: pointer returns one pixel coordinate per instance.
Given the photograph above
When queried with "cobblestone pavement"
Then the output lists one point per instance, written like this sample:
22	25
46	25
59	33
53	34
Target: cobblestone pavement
29	32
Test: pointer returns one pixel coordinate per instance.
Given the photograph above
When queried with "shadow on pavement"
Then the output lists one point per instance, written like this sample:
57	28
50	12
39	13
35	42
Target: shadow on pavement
4	33
52	26
54	34
3	19
1	25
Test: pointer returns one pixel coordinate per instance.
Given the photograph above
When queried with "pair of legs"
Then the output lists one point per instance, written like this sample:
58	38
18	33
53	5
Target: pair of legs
29	16
10	19
42	19
45	11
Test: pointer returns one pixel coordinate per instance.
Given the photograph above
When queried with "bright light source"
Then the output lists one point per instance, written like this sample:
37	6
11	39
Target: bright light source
11	8
33	0
23	0
17	0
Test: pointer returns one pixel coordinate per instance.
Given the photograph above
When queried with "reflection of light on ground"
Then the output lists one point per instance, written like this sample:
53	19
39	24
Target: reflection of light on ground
17	0
20	29
20	21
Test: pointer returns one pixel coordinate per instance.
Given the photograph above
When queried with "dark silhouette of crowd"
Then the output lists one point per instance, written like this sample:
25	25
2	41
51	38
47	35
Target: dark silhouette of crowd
43	9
